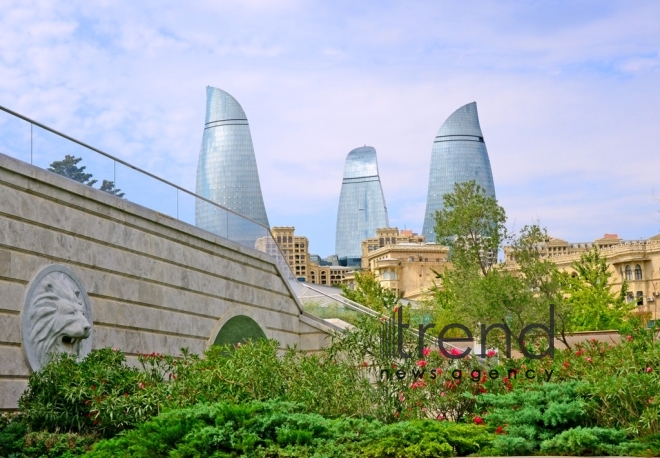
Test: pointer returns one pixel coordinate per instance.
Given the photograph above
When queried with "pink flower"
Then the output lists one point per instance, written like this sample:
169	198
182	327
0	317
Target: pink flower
455	351
421	363
141	385
478	421
648	369
396	414
588	360
402	398
629	338
426	351
441	417
490	353
442	394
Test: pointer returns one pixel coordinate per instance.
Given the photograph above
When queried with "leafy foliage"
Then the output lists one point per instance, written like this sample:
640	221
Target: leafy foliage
528	417
109	187
593	305
68	167
370	293
280	429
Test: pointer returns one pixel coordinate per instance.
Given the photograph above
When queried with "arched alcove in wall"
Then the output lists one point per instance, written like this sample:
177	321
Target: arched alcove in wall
239	329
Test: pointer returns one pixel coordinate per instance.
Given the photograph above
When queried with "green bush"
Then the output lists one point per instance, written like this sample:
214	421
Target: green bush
282	429
526	418
103	395
590	441
17	442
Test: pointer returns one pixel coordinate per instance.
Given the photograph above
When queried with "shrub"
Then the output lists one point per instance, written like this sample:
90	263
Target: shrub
525	418
590	441
282	429
17	442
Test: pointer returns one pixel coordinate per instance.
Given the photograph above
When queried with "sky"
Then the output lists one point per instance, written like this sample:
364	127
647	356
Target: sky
568	95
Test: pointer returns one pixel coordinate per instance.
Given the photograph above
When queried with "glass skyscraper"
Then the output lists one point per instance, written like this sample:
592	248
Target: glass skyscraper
459	154
227	171
362	207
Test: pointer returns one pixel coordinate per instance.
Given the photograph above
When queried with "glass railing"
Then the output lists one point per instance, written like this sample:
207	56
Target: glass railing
40	145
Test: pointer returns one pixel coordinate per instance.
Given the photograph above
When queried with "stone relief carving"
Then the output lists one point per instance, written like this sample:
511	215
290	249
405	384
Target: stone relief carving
56	316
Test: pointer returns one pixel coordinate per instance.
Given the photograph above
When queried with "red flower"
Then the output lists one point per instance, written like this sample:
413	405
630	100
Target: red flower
483	390
566	364
478	421
441	417
426	351
455	351
500	430
421	363
141	385
648	369
629	338
364	364
491	353
93	387
393	366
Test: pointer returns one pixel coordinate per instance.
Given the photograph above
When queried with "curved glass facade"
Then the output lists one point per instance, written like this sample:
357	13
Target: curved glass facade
227	170
459	154
362	207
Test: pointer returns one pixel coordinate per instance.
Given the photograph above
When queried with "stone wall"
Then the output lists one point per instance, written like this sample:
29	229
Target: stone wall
154	283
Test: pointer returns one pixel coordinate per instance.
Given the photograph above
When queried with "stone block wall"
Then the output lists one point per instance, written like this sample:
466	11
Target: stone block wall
155	283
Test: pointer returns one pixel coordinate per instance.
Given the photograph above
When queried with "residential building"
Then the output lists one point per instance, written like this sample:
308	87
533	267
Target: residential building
636	261
459	154
362	207
402	262
227	172
295	250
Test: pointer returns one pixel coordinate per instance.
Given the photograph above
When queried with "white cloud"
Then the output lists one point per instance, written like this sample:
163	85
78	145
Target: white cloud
567	96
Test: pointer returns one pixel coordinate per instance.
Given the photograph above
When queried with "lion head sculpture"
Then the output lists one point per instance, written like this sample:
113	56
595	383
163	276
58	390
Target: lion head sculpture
57	319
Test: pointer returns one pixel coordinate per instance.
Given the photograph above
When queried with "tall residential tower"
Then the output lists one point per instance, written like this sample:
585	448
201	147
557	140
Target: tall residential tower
227	171
459	154
362	207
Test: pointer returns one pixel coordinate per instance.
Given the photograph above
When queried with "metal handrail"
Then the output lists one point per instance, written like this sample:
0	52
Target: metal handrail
110	156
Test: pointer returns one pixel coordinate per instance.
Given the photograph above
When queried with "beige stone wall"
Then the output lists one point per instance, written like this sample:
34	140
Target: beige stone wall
155	283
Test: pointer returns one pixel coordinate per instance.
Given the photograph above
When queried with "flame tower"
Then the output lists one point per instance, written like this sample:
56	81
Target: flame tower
459	154
362	207
227	171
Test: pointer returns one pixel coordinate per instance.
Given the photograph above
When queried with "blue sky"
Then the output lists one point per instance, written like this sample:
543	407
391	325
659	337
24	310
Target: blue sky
568	96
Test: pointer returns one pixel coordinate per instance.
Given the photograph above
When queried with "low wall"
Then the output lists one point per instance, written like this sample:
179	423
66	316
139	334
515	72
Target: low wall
154	283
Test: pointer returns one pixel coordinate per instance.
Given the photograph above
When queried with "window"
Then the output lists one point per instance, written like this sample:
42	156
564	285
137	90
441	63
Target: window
638	272
628	273
640	298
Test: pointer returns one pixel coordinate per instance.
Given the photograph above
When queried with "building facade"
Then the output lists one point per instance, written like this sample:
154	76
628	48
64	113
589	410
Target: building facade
459	154
635	261
295	249
227	171
362	207
402	262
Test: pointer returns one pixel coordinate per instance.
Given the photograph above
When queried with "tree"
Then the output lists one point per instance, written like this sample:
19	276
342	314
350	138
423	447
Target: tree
477	290
68	167
109	187
370	293
472	225
593	305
